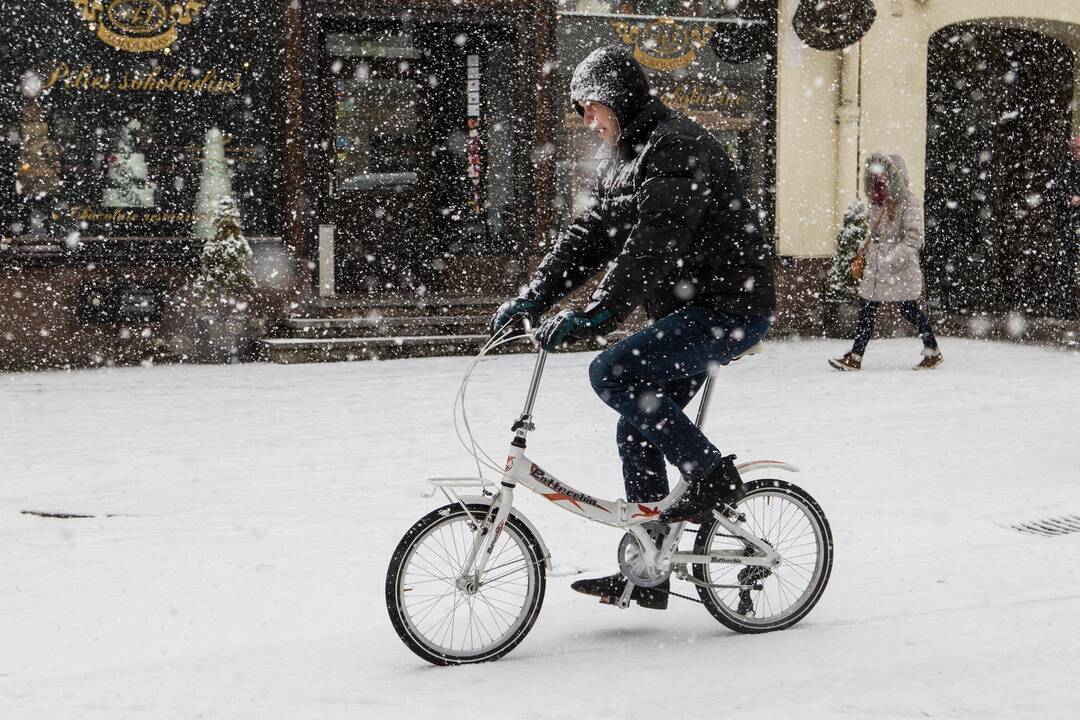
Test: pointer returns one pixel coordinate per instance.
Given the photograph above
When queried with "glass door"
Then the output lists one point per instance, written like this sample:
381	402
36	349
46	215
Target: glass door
421	175
375	82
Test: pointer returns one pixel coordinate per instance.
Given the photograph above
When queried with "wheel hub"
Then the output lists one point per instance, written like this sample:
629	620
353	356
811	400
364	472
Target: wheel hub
468	584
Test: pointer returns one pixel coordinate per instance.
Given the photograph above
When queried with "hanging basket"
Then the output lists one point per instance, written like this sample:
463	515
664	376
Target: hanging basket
750	37
833	24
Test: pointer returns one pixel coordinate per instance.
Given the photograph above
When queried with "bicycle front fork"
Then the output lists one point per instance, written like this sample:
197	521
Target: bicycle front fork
491	527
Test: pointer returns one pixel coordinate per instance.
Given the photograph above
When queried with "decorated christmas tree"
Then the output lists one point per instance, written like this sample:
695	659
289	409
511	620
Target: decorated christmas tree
225	283
215	184
841	285
129	185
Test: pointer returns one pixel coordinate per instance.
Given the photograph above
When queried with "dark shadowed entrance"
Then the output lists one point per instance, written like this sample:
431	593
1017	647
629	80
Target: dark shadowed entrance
997	132
419	130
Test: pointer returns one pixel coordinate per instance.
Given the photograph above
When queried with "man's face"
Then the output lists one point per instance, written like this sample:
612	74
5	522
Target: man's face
601	119
1074	148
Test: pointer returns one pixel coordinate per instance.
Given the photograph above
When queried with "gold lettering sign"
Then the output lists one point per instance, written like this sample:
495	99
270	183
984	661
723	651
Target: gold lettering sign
85	213
663	44
158	79
138	25
687	95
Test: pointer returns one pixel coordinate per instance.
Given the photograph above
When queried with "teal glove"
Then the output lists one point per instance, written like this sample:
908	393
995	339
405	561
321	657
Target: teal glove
573	325
530	307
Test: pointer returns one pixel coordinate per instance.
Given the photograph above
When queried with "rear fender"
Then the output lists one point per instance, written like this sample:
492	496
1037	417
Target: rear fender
760	465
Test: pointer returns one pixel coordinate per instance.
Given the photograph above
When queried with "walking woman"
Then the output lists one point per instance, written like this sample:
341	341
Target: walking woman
891	254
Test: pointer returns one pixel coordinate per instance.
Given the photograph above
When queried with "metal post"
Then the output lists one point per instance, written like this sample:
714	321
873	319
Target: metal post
706	394
534	386
326	260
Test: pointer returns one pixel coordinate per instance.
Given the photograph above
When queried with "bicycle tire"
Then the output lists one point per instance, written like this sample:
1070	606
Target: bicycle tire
399	583
759	494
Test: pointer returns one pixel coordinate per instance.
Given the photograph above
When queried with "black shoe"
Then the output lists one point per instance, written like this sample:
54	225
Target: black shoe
723	485
610	588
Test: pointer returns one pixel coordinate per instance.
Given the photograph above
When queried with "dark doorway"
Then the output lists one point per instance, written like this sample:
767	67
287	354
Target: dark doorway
419	122
998	124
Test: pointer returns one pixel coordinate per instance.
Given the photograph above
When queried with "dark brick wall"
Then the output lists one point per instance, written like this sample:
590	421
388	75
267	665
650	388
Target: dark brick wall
44	322
800	283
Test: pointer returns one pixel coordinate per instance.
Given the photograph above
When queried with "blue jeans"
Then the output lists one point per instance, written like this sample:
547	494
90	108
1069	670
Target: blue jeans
651	376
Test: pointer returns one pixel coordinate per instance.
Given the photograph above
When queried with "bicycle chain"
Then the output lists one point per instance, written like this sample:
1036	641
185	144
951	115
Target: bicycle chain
685	597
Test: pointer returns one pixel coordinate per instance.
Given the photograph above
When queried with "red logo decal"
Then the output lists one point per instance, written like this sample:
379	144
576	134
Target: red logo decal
646	511
556	497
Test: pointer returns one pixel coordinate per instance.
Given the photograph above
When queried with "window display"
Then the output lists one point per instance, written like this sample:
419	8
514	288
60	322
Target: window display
122	118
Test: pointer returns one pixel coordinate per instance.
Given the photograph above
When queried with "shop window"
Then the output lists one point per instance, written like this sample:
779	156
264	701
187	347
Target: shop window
376	102
656	8
131	118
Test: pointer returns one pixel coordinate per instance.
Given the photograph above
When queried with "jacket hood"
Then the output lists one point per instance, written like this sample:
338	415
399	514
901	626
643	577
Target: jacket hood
610	76
897	184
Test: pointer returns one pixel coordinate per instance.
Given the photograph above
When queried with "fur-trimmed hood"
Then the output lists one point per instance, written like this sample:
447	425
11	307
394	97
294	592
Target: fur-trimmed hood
897	183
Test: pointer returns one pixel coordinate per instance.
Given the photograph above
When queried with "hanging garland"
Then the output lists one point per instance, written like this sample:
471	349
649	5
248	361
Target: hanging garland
750	37
833	24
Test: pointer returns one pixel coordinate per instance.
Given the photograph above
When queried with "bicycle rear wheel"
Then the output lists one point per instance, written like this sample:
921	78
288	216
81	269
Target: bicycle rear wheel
790	520
450	619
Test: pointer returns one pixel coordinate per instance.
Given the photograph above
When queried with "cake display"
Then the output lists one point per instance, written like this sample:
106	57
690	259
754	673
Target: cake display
129	185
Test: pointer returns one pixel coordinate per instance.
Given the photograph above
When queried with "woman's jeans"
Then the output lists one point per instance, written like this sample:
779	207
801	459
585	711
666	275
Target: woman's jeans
909	309
651	376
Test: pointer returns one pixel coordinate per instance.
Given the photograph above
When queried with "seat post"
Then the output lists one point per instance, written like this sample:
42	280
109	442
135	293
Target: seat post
706	395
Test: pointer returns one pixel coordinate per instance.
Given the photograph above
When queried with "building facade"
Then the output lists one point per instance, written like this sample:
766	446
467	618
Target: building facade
397	153
979	97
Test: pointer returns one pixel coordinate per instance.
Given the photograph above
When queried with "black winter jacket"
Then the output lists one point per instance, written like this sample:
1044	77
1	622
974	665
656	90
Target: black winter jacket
673	221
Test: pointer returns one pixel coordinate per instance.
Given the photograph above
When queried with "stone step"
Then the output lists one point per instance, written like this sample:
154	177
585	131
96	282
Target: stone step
378	325
396	306
298	350
333	349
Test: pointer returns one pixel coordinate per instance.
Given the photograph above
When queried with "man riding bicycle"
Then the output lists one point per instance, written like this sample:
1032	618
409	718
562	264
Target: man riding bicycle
674	229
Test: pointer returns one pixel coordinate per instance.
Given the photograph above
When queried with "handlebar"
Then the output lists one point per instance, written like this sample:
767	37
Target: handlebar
521	319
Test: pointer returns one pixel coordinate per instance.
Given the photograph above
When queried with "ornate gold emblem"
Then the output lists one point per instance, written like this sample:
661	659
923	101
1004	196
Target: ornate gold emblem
138	25
663	44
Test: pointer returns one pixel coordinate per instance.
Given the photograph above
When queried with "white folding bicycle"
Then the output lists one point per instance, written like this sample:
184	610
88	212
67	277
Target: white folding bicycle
467	581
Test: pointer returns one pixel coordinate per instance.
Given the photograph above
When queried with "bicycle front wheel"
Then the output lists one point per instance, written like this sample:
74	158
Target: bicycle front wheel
449	618
790	520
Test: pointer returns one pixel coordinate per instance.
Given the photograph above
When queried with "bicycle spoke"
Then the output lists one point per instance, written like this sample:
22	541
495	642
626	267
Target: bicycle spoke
495	609
480	622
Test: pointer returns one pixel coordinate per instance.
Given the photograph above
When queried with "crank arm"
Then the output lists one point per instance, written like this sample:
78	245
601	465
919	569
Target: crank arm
624	597
622	600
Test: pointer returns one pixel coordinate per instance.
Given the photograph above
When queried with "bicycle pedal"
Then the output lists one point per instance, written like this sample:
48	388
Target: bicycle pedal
615	601
733	515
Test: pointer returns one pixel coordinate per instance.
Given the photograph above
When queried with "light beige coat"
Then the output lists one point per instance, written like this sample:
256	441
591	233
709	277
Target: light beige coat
892	258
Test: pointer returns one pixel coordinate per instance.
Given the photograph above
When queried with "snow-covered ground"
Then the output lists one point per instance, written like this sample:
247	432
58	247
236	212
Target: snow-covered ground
246	514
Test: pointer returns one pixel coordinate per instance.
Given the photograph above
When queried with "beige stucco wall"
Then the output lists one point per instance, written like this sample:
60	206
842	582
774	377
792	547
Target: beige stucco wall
806	136
812	189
